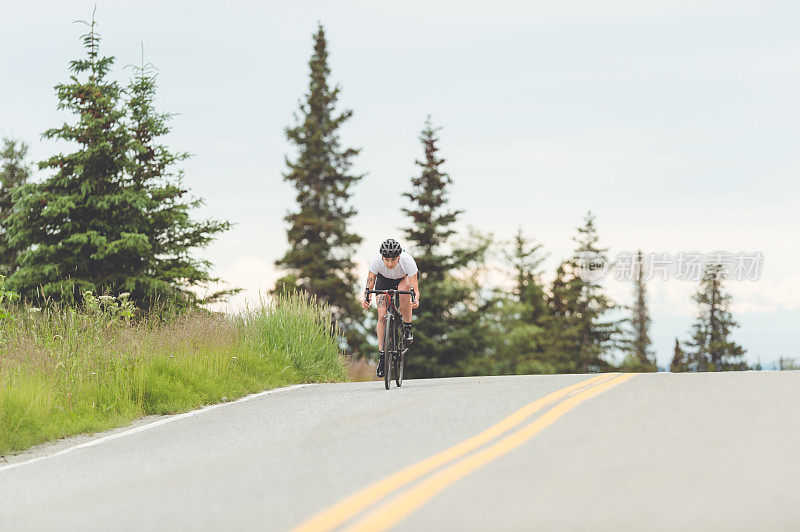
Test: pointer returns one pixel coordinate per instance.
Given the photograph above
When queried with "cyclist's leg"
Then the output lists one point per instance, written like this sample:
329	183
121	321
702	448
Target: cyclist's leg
381	319
383	283
405	299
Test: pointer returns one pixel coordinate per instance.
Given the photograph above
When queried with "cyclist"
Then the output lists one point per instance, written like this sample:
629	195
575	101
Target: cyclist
393	269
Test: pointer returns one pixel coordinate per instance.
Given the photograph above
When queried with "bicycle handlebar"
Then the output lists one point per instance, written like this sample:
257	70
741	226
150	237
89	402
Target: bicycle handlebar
390	292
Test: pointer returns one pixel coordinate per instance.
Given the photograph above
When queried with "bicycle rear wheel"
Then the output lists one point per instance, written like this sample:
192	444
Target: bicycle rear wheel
388	348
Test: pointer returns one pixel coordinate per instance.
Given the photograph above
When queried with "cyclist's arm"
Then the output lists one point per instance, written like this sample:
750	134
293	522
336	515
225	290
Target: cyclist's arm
371	277
414	280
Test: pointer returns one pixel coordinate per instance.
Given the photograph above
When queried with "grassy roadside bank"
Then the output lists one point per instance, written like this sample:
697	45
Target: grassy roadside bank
64	372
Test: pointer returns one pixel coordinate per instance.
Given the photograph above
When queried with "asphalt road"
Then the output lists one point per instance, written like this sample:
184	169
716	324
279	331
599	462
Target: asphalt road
648	452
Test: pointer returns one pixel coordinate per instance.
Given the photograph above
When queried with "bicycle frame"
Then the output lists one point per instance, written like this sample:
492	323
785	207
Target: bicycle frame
393	344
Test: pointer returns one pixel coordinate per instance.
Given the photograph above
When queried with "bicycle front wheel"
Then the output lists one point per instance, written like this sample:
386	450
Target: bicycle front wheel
398	367
388	348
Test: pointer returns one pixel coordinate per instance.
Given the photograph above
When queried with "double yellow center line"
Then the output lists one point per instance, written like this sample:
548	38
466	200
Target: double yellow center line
398	508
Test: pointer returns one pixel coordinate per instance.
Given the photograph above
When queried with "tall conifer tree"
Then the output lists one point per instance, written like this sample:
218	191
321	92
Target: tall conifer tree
563	324
581	330
431	220
599	334
446	333
321	245
526	258
711	346
523	315
72	230
112	218
166	269
680	360
14	171
639	345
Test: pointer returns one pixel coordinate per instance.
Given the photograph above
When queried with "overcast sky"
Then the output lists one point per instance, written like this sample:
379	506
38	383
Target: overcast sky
676	123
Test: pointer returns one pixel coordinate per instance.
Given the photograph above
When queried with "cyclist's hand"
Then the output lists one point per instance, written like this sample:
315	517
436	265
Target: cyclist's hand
365	303
415	303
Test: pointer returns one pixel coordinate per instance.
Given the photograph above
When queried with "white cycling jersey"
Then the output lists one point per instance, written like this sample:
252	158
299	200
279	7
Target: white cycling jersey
405	266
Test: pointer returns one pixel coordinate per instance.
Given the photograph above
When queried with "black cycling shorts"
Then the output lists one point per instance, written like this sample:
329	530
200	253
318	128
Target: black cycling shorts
384	283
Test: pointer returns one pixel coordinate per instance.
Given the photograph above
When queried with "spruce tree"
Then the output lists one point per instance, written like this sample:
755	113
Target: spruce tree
640	354
166	269
523	313
431	220
72	230
680	360
321	246
526	258
14	171
448	322
563	322
581	330
711	345
112	217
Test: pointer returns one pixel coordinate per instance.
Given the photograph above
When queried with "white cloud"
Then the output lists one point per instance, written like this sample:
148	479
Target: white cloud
674	297
767	295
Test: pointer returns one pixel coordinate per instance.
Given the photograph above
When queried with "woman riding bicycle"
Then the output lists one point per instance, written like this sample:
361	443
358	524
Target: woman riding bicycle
393	269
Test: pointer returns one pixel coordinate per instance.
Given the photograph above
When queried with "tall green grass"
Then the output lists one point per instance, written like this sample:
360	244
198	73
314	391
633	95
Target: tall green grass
65	372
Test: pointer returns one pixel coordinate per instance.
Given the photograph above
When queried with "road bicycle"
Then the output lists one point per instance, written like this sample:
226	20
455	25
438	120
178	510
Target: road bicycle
394	346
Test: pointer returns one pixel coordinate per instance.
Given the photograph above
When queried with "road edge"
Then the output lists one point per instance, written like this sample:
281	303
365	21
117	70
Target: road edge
24	457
